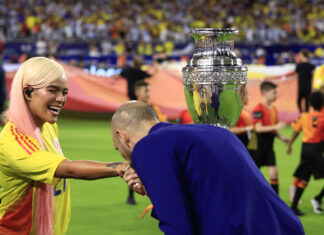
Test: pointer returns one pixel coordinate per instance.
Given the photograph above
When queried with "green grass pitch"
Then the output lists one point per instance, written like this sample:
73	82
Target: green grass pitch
98	207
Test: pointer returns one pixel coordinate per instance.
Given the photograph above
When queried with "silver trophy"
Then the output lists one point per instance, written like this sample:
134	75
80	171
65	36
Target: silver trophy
215	79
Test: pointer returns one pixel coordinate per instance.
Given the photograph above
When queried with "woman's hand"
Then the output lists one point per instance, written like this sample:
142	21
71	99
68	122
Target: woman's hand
120	167
90	170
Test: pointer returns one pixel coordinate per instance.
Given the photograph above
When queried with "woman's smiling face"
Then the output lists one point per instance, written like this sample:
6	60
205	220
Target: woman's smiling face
46	103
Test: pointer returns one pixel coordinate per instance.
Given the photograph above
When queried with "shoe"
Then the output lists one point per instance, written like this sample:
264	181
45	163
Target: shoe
298	212
292	191
130	201
317	206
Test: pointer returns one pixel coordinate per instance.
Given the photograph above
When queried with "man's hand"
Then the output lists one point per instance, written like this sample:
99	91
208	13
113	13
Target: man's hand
134	181
288	151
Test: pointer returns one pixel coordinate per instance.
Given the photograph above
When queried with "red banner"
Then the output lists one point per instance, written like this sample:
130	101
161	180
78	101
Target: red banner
91	93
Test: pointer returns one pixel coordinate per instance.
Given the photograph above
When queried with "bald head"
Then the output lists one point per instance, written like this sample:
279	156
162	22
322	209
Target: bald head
132	115
130	123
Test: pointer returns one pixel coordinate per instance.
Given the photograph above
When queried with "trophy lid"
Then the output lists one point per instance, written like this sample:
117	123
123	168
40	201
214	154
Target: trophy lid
221	34
214	50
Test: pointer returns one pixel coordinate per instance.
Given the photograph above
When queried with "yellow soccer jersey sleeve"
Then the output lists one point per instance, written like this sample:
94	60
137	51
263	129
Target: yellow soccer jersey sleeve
23	157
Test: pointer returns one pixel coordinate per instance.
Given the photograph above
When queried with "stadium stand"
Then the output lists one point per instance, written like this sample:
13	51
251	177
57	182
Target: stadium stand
75	30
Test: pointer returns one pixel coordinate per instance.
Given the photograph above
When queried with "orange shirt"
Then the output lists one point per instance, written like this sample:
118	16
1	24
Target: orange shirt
266	116
312	125
161	116
244	119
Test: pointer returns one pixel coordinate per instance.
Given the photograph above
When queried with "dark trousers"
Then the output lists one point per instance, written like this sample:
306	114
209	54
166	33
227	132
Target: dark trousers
302	95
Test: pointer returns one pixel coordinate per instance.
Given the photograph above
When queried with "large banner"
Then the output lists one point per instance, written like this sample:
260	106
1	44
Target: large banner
90	93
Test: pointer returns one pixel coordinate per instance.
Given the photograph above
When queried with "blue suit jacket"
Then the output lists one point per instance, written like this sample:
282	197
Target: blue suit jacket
201	180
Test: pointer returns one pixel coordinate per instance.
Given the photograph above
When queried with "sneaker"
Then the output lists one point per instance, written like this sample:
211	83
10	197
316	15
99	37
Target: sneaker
298	212
130	201
317	206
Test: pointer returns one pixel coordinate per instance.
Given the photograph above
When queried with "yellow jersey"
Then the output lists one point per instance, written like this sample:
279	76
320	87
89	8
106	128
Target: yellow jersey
23	163
319	77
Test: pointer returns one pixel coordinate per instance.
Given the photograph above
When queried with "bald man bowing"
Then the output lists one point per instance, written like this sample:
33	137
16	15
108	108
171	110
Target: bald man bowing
199	178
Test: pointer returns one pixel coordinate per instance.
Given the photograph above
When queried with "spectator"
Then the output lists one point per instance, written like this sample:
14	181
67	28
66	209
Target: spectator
106	47
259	21
41	47
93	50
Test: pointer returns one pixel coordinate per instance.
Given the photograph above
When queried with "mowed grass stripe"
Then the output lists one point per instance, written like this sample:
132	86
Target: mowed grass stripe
98	207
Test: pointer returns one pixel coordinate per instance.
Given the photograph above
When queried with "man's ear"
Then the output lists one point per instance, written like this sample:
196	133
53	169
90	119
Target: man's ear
123	137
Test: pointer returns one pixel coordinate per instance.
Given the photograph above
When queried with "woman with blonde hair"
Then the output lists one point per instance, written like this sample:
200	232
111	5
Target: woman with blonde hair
34	190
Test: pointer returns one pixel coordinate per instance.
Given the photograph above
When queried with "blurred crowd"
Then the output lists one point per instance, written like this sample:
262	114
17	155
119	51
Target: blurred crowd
166	22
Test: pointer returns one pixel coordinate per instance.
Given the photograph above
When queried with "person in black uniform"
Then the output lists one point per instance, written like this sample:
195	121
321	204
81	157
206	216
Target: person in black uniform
304	71
133	74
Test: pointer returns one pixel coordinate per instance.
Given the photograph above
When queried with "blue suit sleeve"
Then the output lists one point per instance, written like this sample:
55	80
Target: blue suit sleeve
158	167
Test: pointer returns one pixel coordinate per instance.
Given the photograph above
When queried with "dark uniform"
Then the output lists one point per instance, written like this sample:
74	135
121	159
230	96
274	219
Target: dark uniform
265	155
304	71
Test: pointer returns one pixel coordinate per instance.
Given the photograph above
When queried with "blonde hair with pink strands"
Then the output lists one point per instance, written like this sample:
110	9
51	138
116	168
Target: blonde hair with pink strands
37	72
